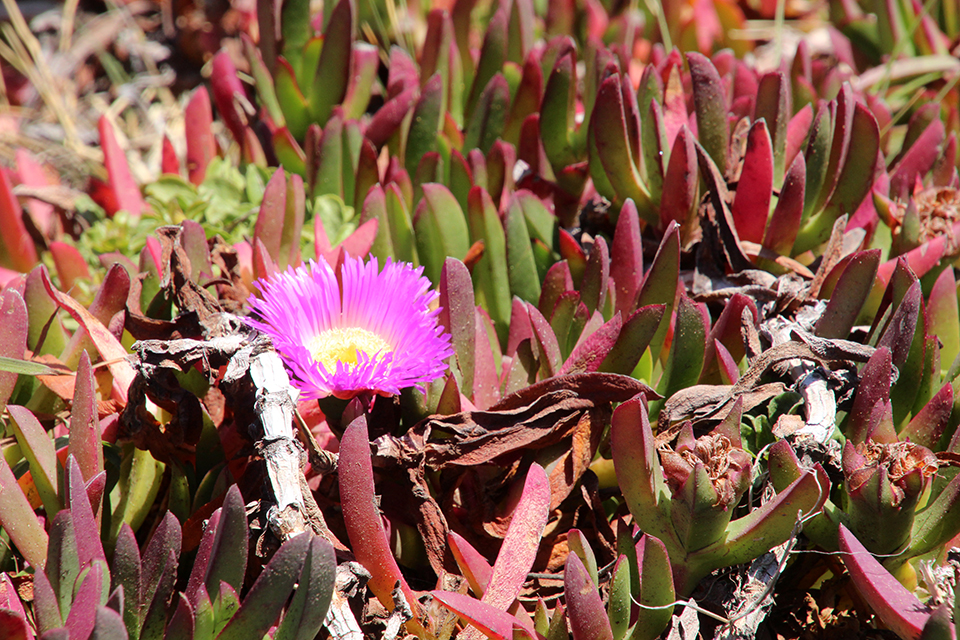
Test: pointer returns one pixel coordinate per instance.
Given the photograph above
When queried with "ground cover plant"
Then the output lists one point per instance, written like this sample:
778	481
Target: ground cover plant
480	319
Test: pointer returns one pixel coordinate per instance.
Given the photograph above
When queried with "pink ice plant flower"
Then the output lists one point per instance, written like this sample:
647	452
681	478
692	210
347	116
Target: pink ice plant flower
373	331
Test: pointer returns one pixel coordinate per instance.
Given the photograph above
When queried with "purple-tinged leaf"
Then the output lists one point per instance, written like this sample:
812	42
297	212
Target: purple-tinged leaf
921	259
266	599
108	625
390	116
939	522
729	373
427	122
85	445
486	381
583	325
619	601
13	625
557	282
526	102
854	181
46	608
817	156
626	259
307	610
362	518
434	56
488	117
359	243
19	521
89	547
492	56
579	545
164	543
520	30
193	239
596	275
89	596
403	72
557	112
785	220
939	625
226	86
13	338
680	184
69	263
19	252
501	159
899	609
774	521
520	328
929	424
728	331
125	573
797	132
154	620
592	351
441	229
11	607
773	107
710	103
204	555
457	317
842	111
325	158
656	588
490	272
873	389
490	621
473	565
198	125
365	61
181	624
546	343
521	542
633	340
899	333
126	193
943	316
751	206
567	321
292	227
38	449
661	283
451	400
850	294
611	129
687	351
917	160
638	470
296	111
228	558
63	563
588	618
654	152
289	153
521	265
945	168
675	114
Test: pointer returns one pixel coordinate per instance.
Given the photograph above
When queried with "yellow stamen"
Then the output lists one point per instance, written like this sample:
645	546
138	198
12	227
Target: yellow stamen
344	345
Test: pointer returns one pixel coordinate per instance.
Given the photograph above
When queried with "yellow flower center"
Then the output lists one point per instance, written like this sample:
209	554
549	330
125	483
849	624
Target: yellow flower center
344	345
